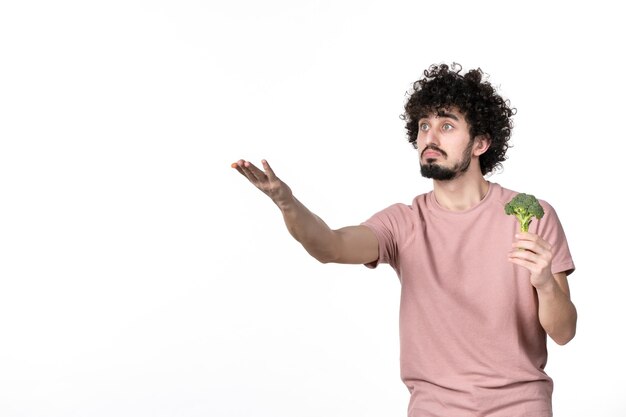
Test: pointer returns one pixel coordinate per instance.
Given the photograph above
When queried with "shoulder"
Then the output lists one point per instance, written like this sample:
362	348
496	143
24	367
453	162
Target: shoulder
416	204
401	214
397	211
505	195
501	194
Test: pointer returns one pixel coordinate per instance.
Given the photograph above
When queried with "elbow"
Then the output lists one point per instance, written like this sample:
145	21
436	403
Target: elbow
324	260
564	339
563	332
325	257
565	336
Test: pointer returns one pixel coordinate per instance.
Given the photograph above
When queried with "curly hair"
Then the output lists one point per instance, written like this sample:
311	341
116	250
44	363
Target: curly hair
486	112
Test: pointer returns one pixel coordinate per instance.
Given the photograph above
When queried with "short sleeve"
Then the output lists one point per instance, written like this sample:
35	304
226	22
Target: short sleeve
387	225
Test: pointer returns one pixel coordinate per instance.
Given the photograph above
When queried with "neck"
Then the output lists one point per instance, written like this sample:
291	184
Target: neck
461	193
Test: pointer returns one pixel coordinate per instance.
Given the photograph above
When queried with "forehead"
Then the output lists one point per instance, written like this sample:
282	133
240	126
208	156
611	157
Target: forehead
444	112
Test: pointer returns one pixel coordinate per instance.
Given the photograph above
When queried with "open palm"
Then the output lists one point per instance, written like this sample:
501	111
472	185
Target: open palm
265	180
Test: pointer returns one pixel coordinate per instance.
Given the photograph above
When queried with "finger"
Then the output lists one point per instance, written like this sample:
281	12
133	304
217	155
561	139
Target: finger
532	242
526	246
268	170
243	167
254	171
523	263
533	237
530	237
527	236
526	255
238	166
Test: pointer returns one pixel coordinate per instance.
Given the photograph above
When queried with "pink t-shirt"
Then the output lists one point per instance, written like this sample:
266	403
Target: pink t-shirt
470	339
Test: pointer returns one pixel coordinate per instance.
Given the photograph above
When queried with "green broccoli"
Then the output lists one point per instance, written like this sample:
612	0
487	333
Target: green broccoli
524	207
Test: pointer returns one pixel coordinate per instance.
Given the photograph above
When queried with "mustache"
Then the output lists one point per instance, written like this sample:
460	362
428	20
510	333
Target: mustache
434	148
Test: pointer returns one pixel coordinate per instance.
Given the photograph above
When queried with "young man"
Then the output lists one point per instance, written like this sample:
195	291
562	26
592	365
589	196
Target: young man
475	308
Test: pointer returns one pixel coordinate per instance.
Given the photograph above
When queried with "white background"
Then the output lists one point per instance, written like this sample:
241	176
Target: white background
141	276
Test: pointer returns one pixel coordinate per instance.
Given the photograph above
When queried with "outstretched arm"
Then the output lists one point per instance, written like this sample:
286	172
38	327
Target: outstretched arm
350	245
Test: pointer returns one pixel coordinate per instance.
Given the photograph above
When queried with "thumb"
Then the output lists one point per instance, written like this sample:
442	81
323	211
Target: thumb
268	170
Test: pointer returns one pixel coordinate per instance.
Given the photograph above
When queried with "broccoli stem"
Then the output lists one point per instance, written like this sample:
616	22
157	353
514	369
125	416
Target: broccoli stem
524	221
525	225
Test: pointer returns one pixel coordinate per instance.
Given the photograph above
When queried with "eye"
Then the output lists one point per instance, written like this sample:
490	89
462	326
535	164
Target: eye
447	126
424	127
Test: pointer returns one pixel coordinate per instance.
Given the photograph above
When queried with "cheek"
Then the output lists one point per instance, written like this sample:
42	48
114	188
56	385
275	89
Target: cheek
419	141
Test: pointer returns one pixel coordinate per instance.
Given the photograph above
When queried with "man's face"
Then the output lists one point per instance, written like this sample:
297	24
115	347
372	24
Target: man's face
444	145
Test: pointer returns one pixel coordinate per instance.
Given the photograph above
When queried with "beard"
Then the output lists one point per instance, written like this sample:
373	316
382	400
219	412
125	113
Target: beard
435	171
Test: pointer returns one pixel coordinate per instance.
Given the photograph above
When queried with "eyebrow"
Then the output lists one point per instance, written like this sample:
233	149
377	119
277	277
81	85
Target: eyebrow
442	113
447	115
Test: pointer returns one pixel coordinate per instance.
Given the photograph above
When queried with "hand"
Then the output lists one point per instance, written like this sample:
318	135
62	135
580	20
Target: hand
266	181
537	257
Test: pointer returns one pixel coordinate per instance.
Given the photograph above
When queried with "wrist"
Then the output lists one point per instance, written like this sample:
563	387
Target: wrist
548	287
286	205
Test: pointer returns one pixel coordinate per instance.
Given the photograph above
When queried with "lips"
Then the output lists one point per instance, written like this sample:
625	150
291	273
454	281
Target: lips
431	154
431	151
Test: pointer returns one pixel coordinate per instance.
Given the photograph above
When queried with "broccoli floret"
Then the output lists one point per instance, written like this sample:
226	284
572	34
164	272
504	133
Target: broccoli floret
524	207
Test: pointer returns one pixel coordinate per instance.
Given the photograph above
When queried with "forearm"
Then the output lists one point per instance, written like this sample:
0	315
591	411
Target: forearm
352	244
308	229
557	314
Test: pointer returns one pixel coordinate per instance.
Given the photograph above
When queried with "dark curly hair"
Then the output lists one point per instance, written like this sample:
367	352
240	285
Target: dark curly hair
486	112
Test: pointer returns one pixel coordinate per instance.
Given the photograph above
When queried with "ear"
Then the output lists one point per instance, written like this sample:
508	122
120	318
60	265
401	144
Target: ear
481	144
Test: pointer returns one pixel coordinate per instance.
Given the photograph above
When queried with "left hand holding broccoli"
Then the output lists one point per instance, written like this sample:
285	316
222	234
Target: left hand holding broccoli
537	258
530	250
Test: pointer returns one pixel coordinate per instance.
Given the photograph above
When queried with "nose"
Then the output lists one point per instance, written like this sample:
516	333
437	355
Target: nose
427	137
